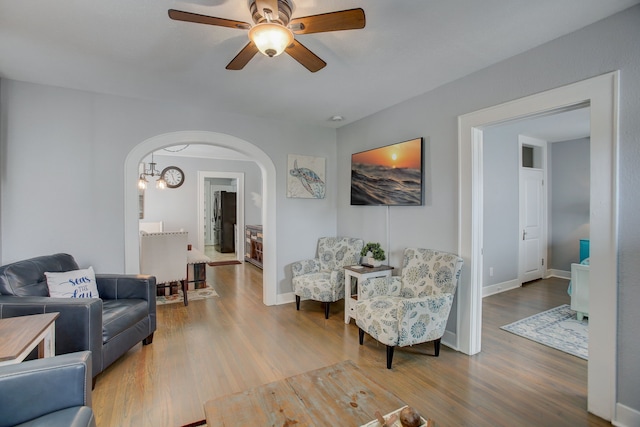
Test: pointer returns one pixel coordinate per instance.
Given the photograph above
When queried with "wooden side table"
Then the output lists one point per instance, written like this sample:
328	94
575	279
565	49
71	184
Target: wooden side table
20	335
253	245
360	272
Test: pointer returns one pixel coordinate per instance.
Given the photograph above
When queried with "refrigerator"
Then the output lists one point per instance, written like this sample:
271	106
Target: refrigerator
224	218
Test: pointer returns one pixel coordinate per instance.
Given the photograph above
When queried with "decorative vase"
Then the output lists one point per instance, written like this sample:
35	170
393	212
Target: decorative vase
366	259
369	260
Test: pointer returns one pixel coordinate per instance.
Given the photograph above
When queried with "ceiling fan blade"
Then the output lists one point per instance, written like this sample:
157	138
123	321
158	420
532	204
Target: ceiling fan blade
351	19
179	15
243	57
305	57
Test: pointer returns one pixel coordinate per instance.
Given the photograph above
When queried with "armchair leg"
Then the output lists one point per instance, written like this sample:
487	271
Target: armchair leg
436	346
389	355
298	302
360	336
326	309
148	340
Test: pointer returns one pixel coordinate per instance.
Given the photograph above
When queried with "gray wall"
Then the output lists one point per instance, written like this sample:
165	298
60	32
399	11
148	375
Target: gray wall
570	191
501	204
607	45
63	162
177	207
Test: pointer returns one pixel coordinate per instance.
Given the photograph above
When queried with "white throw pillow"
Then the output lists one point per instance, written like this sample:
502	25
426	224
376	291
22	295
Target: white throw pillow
73	284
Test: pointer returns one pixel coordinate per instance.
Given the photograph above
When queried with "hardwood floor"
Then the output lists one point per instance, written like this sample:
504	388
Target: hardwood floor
232	343
210	251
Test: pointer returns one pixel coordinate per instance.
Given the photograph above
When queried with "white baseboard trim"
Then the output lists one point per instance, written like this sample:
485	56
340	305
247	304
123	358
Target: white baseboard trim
563	274
287	298
626	417
500	287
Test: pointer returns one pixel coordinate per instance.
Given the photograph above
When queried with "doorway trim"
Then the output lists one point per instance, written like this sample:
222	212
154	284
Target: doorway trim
601	93
239	177
268	171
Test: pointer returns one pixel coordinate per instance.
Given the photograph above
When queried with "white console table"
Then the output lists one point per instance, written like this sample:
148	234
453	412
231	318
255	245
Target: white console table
360	272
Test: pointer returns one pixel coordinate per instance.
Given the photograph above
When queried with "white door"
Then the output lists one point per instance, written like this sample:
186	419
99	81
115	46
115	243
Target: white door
532	241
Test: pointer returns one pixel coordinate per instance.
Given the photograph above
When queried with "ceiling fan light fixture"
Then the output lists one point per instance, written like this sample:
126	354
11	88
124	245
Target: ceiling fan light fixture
270	38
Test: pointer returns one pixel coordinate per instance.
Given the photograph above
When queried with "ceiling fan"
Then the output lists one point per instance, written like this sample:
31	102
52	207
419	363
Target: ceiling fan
273	30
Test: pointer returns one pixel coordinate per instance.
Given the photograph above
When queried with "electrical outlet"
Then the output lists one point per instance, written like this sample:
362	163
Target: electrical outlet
490	271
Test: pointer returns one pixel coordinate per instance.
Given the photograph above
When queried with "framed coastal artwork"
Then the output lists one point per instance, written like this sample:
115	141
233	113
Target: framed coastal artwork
305	177
389	176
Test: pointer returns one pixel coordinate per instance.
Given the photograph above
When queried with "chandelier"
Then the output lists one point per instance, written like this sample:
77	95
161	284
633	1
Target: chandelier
161	184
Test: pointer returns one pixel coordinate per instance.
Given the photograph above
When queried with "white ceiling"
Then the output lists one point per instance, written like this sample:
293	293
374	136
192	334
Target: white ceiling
132	48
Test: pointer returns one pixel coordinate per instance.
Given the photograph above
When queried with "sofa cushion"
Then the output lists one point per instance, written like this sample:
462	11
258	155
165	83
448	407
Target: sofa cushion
26	278
120	314
72	284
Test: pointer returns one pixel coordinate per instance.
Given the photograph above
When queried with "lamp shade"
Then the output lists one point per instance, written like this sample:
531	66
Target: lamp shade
271	39
161	184
142	182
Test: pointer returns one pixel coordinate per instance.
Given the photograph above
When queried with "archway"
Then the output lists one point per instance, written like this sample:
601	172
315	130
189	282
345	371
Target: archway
267	168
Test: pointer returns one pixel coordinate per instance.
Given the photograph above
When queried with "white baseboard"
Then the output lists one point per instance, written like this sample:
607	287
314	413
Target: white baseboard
558	273
287	298
626	417
500	287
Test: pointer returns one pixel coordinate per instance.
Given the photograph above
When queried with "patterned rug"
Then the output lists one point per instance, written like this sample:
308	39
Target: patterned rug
192	295
557	328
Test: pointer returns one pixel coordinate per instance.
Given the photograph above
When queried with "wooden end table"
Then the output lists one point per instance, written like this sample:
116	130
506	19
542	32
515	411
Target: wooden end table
360	272
20	335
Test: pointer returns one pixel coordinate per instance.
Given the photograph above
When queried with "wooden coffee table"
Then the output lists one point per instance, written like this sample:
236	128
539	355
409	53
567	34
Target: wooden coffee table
335	395
20	335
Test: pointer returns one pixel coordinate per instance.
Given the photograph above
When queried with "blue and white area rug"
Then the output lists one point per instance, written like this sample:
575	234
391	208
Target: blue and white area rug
558	328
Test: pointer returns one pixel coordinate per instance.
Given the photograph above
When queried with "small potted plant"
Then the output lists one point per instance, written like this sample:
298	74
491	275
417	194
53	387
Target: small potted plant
372	254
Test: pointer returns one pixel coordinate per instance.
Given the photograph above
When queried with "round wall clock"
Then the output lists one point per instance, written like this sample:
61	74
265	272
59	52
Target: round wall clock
173	176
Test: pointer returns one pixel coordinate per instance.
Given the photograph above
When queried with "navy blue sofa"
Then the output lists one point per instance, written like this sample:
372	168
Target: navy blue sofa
124	315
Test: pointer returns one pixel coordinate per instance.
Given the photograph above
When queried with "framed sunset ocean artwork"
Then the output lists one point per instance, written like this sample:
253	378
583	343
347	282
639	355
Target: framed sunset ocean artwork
388	176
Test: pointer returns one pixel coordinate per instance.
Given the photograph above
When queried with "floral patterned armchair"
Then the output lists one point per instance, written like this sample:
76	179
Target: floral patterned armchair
412	308
322	278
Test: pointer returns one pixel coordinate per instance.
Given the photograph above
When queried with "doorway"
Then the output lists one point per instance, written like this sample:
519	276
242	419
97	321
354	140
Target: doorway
601	94
268	173
221	239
